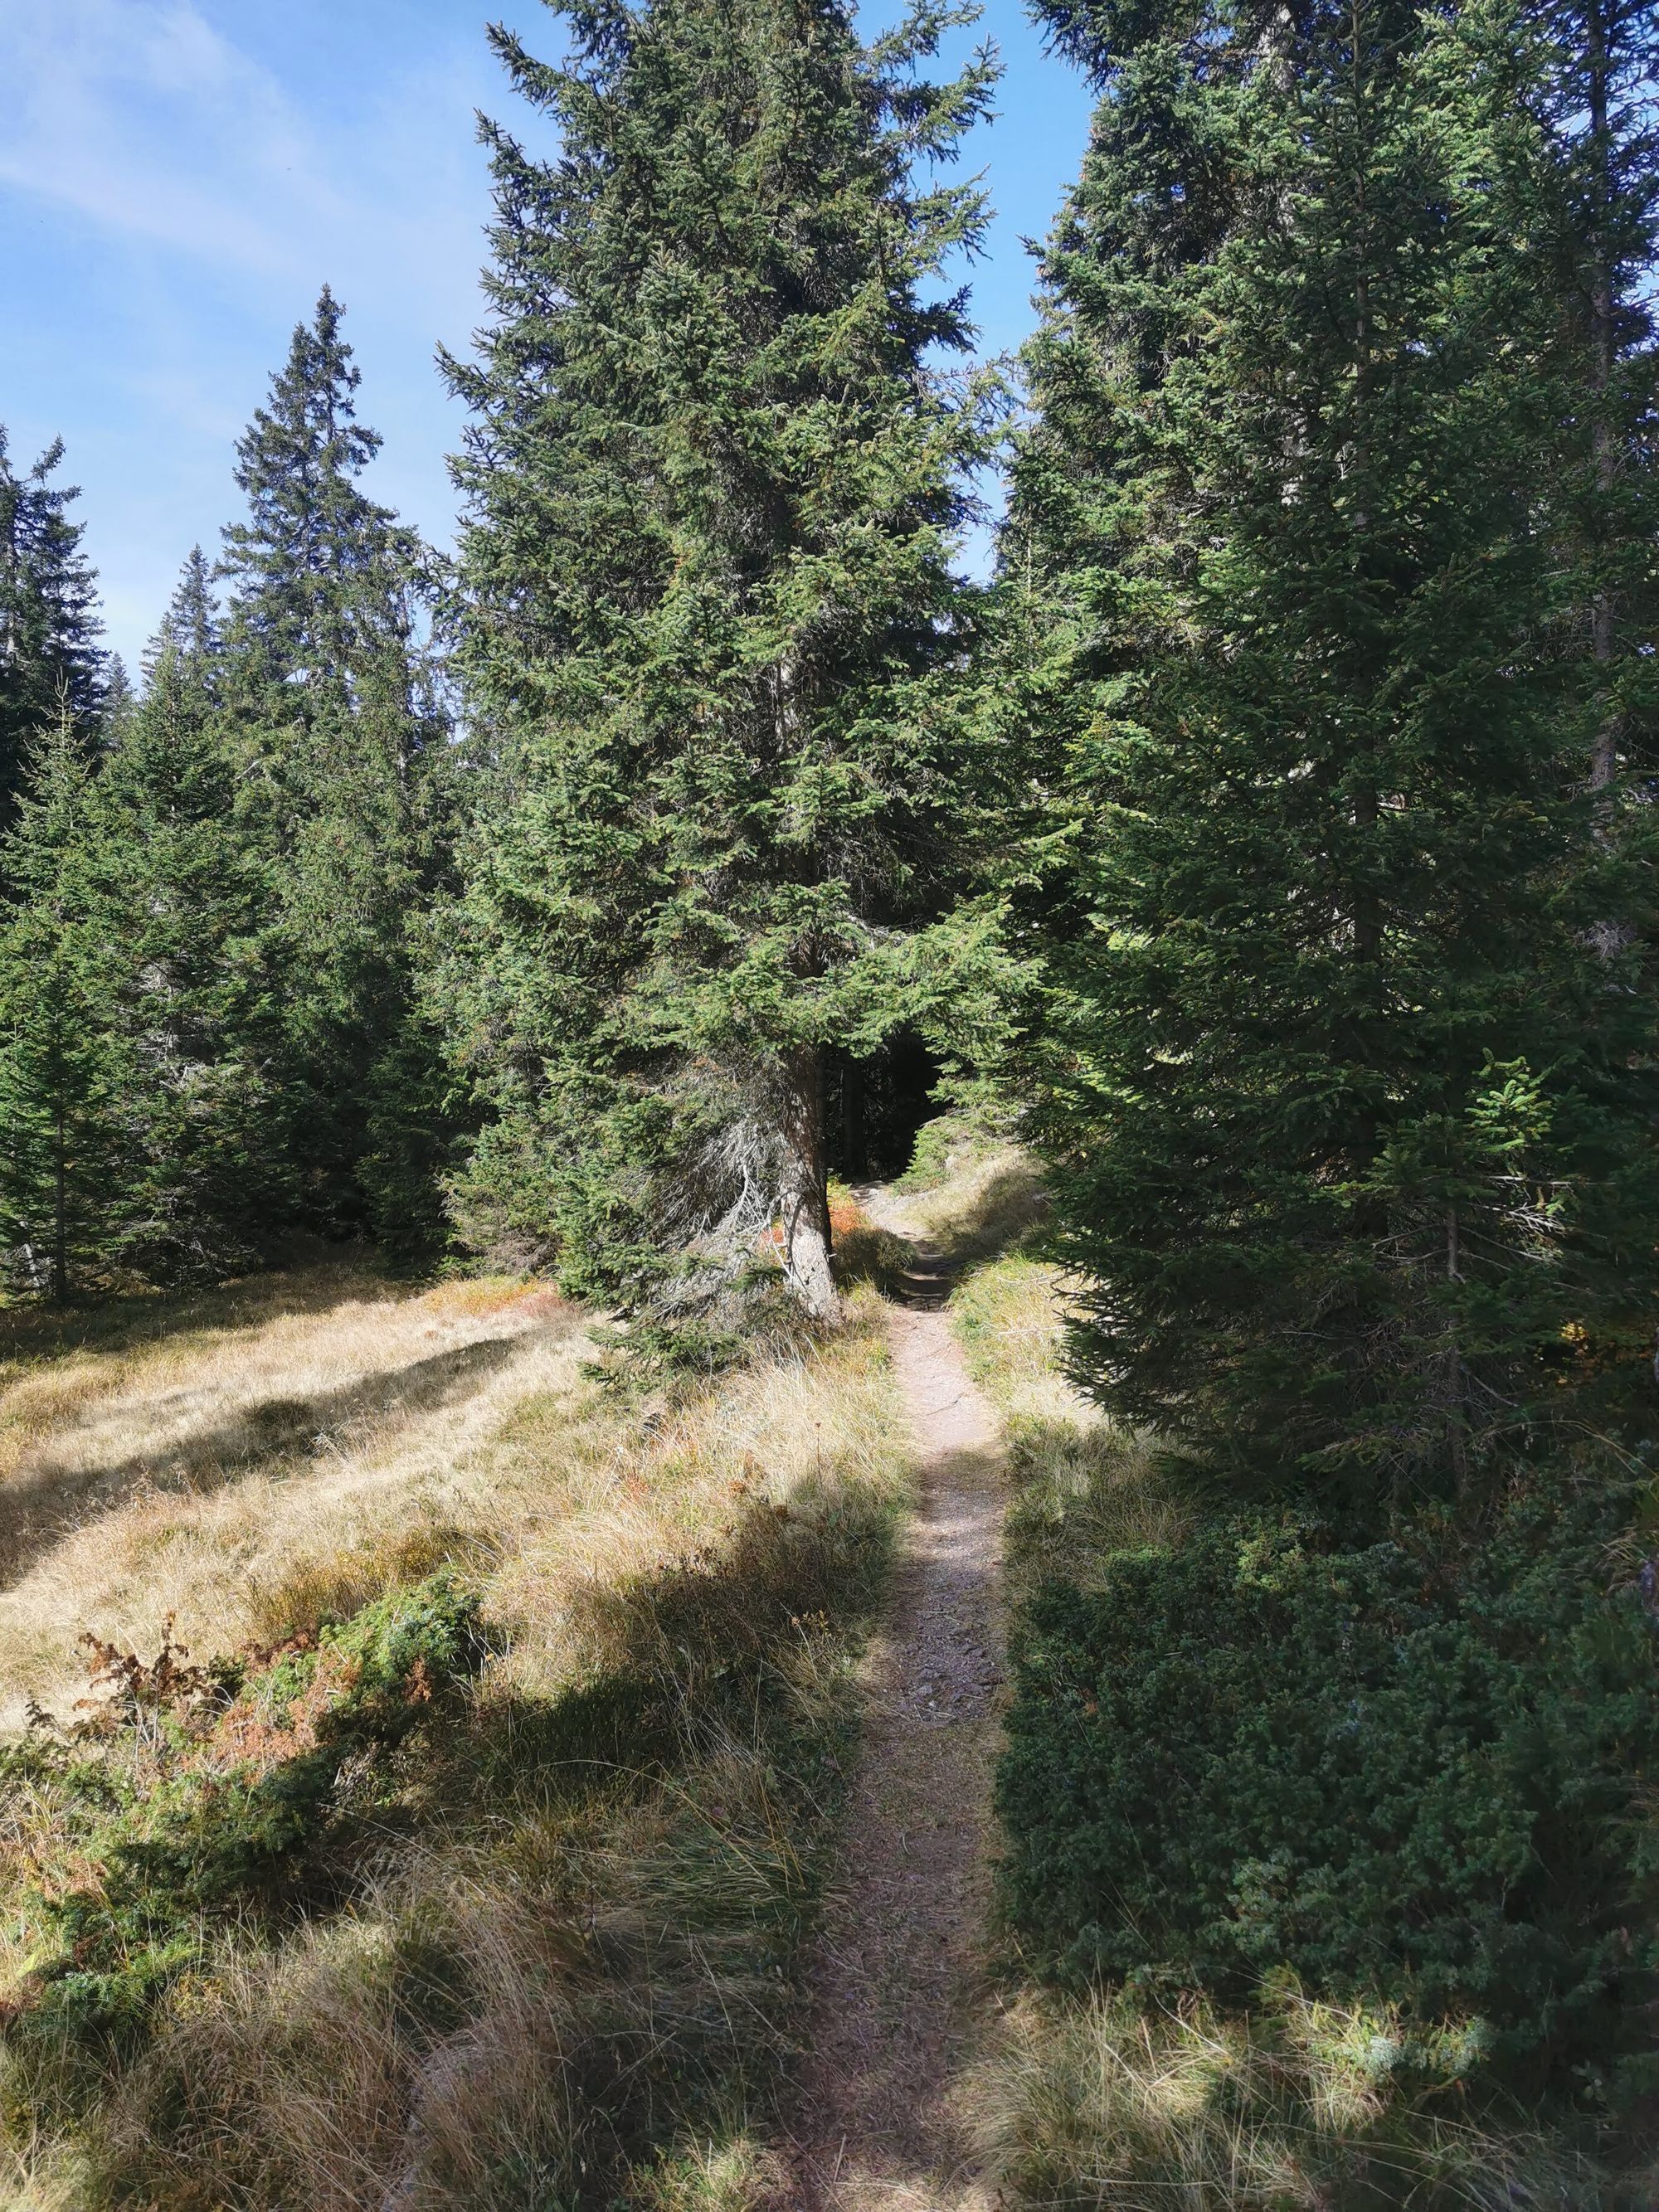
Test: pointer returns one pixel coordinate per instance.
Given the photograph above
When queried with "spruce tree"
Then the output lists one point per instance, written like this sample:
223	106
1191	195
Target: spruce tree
197	1117
1597	100
192	625
1349	1134
343	747
711	483
50	661
55	1058
119	706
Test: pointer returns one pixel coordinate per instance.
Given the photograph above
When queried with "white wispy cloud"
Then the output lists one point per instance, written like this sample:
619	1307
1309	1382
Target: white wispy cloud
145	120
178	178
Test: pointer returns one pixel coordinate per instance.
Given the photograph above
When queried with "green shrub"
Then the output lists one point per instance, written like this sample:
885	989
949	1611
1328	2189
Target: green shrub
195	1800
1412	1783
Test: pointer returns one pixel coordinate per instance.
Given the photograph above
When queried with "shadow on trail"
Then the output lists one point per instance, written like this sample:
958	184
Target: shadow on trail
920	1263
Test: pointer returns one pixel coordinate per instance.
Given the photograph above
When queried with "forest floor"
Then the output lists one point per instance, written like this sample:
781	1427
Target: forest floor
900	1985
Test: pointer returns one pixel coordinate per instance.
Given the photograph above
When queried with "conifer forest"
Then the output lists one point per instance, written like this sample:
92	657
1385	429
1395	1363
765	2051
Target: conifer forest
827	1373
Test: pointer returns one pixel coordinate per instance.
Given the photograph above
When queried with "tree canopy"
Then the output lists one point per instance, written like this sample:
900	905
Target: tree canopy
715	474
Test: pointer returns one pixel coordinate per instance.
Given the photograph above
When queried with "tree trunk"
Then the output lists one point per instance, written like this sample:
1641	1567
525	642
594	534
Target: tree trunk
803	1182
803	1192
852	1118
1604	760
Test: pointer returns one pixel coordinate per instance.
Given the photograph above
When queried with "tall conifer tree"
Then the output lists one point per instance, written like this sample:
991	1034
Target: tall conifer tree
55	1072
120	703
50	661
1598	98
711	485
192	626
1346	1116
344	750
143	1087
198	1116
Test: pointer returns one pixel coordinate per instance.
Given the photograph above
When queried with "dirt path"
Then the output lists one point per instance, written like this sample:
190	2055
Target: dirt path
900	1970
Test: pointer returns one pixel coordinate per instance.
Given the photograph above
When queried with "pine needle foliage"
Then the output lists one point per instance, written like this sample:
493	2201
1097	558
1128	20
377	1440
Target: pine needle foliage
198	1118
192	626
149	1128
713	480
54	1019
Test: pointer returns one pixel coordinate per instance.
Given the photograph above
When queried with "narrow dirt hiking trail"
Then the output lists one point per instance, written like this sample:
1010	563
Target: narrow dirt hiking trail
899	1978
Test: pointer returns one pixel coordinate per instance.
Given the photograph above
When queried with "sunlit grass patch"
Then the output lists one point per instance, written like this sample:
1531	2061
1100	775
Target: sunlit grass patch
989	1204
1084	1488
1008	1317
209	1473
725	2172
1291	2107
554	1952
865	1252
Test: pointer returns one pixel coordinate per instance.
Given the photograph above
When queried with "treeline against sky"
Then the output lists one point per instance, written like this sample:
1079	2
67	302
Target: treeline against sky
1273	832
211	1028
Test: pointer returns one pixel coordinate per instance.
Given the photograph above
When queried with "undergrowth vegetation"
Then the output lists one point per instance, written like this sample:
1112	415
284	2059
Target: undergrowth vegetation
1413	1784
474	1869
1328	1874
1289	2107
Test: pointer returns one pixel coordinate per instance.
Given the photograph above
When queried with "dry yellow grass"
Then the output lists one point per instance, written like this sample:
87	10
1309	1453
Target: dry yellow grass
305	2076
1292	2108
1087	1487
796	1423
976	1194
1009	1317
538	1967
211	1474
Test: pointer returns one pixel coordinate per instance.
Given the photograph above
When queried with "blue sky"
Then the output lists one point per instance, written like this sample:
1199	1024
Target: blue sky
179	178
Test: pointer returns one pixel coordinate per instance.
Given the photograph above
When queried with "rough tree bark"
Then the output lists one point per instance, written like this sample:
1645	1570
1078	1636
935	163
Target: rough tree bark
803	1186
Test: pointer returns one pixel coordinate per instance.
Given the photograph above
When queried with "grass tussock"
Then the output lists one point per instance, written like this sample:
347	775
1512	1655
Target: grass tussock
1084	1489
865	1252
371	1921
1291	2107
